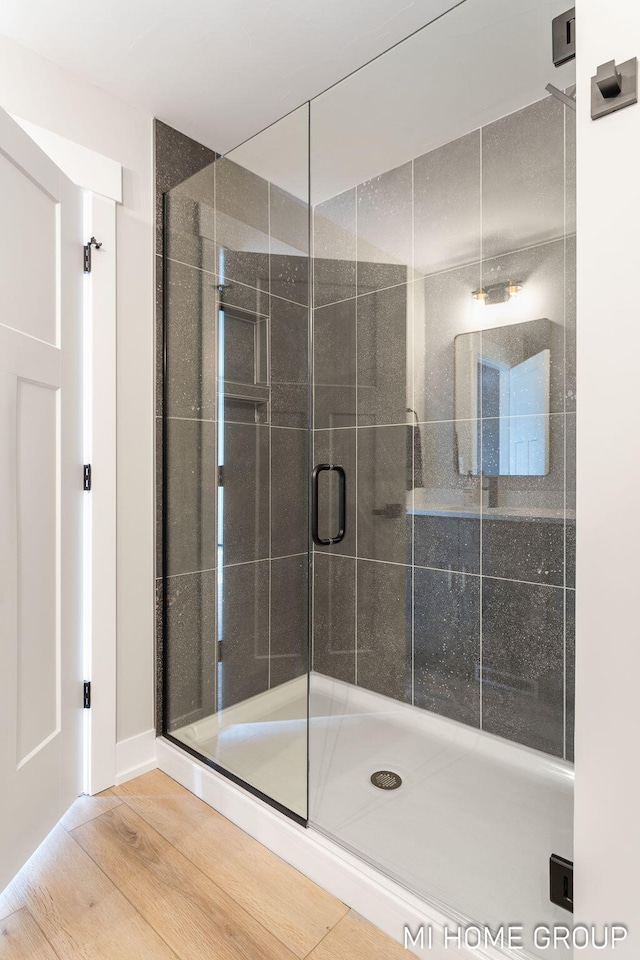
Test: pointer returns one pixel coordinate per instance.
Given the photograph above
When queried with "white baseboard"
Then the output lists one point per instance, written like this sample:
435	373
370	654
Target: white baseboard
136	756
363	888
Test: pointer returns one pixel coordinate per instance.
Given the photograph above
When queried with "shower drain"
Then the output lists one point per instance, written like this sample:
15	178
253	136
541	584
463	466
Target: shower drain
386	779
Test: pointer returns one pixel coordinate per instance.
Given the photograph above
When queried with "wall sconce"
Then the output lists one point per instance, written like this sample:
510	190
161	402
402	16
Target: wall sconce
498	292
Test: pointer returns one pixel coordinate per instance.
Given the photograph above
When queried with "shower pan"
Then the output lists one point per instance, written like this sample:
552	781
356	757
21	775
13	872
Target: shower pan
368	449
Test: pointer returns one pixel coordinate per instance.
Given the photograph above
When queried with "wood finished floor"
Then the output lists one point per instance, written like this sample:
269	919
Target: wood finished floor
146	871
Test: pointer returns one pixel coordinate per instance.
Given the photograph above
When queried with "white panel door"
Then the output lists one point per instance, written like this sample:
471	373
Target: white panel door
40	496
529	416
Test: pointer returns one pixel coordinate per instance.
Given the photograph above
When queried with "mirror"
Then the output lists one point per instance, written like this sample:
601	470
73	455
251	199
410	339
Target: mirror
502	386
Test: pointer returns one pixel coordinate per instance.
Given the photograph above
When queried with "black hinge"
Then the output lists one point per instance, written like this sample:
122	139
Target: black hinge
86	477
221	476
561	882
87	253
87	694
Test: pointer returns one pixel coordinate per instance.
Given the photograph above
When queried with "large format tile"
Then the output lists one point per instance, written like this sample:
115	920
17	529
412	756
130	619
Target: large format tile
177	157
382	356
289	336
334	249
242	223
189	648
446	220
190	495
447	644
334	359
449	543
442	310
190	325
541	270
289	245
523	178
384	526
245	507
289	491
189	227
336	447
385	214
289	618
384	628
442	538
243	645
570	673
523	663
531	546
334	633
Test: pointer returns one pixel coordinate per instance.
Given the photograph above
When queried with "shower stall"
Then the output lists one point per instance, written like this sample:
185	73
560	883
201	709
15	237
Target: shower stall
368	462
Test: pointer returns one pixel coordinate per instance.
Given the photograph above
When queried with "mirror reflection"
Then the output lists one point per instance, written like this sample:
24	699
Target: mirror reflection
502	380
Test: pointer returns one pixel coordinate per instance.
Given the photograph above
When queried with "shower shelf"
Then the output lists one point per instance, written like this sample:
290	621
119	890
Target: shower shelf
246	392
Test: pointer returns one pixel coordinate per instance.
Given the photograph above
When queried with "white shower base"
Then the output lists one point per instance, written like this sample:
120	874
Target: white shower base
472	826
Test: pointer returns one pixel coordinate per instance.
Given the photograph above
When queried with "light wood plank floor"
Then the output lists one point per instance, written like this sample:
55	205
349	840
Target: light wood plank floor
146	871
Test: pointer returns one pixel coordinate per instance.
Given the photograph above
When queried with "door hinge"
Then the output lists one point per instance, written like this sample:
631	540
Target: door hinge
86	477
221	476
87	253
87	694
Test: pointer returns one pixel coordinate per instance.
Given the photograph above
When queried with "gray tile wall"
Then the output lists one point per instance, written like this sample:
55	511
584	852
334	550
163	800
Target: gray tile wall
236	605
469	616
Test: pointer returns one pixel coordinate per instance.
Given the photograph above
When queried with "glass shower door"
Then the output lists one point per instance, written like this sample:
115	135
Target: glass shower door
239	232
441	718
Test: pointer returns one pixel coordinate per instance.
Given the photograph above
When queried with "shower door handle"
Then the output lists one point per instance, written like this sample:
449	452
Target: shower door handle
315	504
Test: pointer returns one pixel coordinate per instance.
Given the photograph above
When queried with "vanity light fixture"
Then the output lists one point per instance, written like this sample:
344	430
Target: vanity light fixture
498	292
479	294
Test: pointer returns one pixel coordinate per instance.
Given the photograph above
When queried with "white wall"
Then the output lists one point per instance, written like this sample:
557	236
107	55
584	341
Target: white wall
607	823
37	90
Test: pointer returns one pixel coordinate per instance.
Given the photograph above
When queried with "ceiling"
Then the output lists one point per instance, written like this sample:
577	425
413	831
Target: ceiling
218	70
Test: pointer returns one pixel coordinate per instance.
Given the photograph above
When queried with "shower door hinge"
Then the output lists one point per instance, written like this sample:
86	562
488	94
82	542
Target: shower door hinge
221	476
87	253
86	477
87	694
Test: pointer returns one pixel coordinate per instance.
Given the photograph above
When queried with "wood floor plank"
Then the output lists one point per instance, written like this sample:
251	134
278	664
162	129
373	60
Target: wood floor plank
81	913
9	902
354	938
283	900
22	939
86	808
189	911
